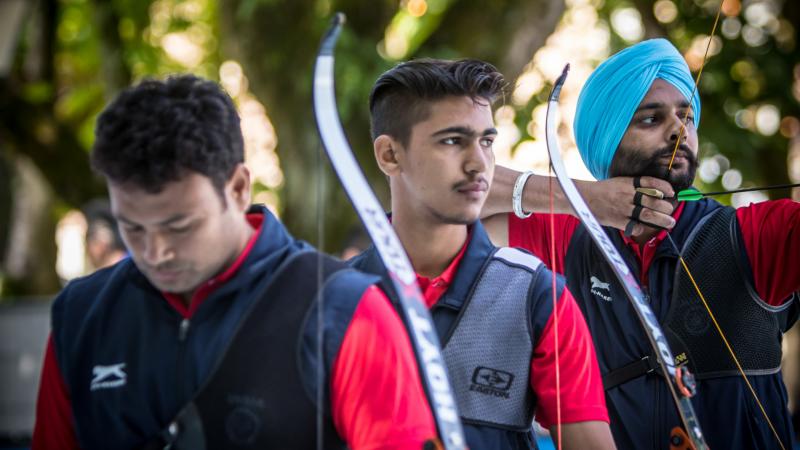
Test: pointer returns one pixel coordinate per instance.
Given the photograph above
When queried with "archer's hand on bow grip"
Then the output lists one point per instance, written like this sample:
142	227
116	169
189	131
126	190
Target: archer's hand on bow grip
612	201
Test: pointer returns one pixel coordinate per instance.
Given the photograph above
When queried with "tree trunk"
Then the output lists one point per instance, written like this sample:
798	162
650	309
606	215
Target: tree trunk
29	260
116	73
5	202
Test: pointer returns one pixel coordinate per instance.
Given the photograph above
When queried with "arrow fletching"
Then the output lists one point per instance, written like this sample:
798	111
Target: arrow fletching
690	195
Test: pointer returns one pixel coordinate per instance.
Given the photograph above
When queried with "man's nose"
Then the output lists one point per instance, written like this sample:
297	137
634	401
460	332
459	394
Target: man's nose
478	158
157	249
677	128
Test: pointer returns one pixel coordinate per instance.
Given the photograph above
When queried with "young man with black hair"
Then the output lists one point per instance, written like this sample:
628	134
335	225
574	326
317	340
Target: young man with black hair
207	335
635	109
433	130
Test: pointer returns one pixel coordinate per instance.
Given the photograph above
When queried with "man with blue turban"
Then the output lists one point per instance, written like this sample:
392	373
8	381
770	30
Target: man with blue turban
635	109
613	94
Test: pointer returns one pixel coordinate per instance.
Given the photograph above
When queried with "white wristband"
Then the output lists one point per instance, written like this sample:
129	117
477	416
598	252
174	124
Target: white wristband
516	195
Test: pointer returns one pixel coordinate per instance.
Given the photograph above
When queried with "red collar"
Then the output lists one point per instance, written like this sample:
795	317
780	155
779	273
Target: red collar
433	289
202	292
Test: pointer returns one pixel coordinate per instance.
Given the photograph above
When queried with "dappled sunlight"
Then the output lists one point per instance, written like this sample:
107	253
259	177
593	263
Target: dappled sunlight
183	30
70	240
417	8
796	83
627	23
410	26
790	127
712	167
732	179
260	139
768	119
697	51
581	40
507	132
528	84
665	11
183	49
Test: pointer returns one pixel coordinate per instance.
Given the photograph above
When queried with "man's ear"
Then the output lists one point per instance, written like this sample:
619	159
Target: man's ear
238	187
386	154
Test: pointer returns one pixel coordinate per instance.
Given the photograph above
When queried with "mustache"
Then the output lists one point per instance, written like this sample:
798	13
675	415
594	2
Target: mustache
682	150
464	183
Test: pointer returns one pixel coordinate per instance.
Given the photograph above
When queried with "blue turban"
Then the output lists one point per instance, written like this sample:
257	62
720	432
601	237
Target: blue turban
614	91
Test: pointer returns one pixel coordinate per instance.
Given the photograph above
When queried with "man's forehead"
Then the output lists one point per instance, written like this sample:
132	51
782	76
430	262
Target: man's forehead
183	197
459	111
662	93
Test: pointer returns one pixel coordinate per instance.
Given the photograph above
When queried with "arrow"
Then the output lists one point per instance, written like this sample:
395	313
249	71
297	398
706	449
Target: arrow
692	194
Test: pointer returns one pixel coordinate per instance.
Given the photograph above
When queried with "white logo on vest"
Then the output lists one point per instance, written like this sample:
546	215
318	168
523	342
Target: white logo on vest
107	377
598	285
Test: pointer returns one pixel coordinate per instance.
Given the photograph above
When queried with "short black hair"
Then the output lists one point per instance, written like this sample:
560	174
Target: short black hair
157	132
401	96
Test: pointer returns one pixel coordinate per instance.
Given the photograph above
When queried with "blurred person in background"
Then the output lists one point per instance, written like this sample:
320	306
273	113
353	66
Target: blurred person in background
104	245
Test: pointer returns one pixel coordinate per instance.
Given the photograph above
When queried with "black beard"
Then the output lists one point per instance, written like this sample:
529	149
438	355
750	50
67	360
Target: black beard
628	163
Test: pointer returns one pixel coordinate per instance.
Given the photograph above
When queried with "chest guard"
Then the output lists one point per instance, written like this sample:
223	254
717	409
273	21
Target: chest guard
255	397
489	347
715	254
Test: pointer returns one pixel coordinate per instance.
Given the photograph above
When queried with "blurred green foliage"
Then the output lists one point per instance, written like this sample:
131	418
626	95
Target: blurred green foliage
758	65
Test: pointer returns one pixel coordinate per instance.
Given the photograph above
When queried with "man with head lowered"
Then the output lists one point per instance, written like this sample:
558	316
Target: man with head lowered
746	261
208	335
433	130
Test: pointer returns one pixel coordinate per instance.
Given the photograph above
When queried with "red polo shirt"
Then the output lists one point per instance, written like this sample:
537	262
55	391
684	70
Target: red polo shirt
771	232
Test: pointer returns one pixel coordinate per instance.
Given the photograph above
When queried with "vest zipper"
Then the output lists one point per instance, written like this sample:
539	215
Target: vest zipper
180	370
183	330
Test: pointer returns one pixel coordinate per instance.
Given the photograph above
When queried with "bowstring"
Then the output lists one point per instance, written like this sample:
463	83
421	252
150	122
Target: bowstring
555	311
321	301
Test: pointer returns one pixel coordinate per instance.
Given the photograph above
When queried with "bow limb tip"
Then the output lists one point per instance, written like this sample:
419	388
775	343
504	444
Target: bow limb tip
338	19
332	34
559	82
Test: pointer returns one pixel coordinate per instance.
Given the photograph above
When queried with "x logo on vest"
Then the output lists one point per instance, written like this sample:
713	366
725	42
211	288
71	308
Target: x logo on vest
600	289
494	382
106	377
